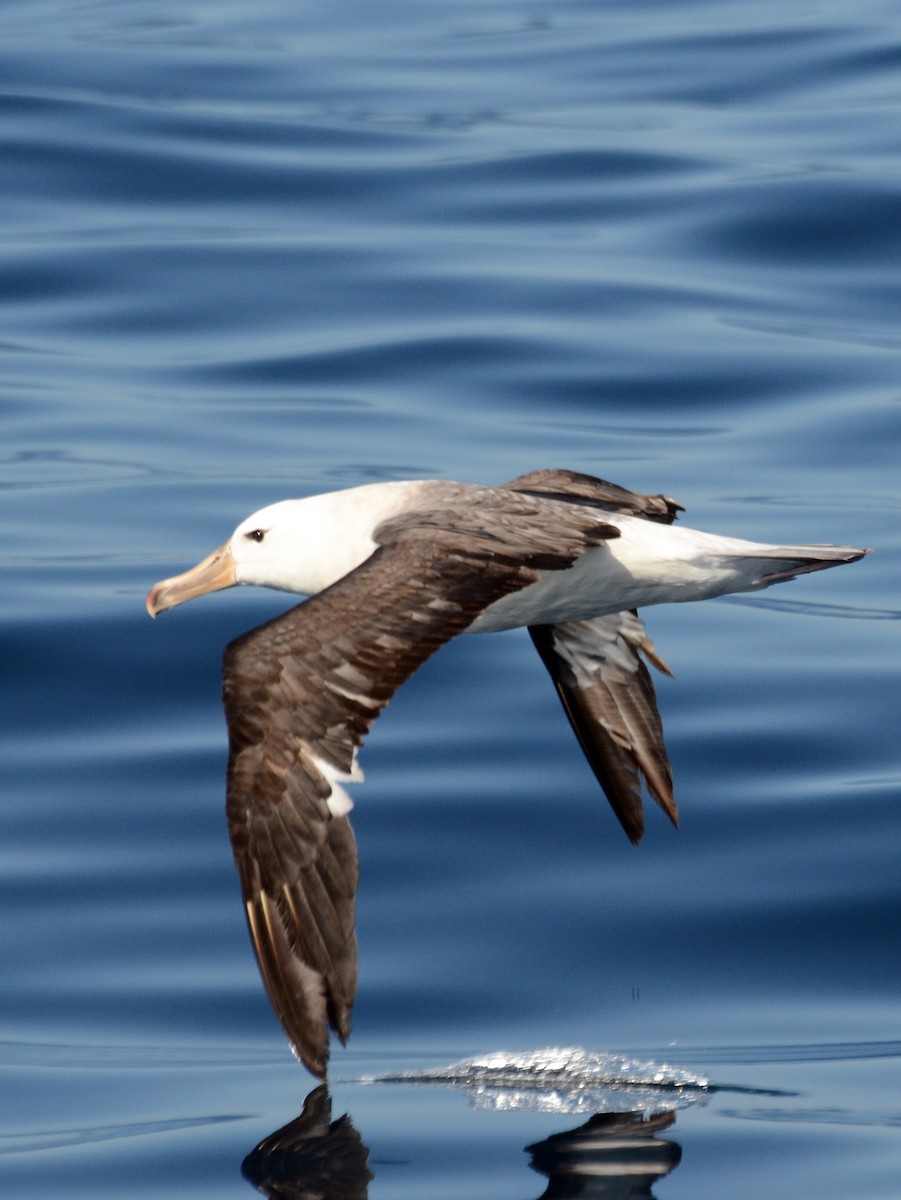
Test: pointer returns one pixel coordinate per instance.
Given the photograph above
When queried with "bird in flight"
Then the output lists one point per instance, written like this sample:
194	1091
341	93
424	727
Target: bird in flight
393	571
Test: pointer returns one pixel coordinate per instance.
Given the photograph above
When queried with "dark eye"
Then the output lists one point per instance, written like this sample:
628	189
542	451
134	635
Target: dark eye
256	535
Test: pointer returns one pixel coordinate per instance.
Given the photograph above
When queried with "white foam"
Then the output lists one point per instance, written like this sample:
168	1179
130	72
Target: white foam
565	1079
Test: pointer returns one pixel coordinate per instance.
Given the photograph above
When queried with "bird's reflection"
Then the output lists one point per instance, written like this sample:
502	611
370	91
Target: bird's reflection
311	1156
613	1156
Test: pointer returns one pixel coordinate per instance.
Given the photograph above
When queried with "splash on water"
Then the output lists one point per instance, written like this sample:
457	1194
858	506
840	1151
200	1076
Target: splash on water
564	1080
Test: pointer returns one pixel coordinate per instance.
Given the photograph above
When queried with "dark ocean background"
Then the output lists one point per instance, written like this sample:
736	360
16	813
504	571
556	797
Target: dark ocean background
252	251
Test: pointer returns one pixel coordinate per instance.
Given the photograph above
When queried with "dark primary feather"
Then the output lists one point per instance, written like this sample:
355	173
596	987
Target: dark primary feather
608	696
308	685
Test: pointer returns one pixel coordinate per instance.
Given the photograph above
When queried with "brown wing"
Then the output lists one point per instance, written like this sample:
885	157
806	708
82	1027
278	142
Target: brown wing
608	695
300	694
605	688
575	488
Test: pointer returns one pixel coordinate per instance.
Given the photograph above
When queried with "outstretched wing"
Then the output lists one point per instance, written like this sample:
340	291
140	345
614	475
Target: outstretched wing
300	693
596	666
608	694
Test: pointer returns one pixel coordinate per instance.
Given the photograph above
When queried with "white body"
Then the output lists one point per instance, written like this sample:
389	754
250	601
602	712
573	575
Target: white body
310	544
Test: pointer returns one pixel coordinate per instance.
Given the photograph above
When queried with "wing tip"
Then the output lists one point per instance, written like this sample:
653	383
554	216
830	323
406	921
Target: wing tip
317	1065
631	818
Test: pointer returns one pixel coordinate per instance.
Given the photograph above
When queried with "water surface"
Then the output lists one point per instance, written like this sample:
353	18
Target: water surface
254	252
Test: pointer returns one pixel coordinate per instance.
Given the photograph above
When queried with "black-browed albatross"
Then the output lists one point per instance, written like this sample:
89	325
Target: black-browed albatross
393	571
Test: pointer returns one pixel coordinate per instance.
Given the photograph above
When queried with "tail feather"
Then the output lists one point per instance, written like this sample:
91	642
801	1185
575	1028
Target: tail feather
789	561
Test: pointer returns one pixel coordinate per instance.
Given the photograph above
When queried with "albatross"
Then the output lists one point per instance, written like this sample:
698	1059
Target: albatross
393	571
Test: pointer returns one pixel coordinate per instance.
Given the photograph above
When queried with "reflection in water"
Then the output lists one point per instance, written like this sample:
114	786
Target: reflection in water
311	1156
613	1155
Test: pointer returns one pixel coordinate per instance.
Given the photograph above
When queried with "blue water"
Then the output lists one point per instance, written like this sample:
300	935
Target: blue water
251	251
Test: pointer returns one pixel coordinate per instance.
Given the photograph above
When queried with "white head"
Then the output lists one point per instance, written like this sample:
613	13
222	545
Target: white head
270	547
295	545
